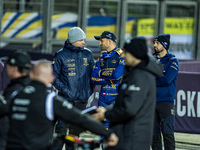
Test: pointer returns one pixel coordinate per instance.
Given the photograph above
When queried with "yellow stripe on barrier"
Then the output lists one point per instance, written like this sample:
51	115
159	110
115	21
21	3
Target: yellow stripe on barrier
54	17
16	22
129	26
33	26
6	16
97	30
62	33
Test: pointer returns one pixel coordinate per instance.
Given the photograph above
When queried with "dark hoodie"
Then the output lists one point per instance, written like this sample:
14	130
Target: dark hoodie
72	68
166	85
133	113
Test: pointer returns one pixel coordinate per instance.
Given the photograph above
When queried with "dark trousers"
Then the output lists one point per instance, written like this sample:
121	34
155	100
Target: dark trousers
61	129
164	123
4	125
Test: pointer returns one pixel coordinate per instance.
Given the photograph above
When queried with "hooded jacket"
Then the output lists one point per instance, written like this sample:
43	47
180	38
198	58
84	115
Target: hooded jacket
166	85
133	112
15	84
72	68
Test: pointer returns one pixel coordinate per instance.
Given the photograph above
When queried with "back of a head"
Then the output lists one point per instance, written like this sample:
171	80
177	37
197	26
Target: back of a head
137	47
43	72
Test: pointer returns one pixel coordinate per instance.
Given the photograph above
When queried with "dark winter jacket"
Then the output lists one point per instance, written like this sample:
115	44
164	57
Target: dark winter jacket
133	112
166	85
72	67
34	112
16	84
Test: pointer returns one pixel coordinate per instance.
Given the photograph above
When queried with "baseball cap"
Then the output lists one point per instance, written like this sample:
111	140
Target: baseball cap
20	59
108	35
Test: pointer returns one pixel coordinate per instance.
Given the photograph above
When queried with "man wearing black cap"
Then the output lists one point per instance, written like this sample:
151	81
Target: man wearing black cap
166	90
132	115
108	70
18	66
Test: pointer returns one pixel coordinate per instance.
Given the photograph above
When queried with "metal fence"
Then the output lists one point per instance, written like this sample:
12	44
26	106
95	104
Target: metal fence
42	25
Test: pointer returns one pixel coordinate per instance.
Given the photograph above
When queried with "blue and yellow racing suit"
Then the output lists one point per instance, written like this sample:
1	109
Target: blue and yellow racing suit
108	72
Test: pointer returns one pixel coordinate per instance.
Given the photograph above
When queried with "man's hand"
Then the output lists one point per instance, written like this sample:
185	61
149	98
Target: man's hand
112	140
100	115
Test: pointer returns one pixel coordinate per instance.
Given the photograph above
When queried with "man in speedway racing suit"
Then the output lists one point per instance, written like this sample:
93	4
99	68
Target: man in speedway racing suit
108	70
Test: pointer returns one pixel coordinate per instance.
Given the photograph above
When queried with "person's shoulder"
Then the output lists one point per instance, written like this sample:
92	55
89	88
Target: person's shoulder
60	51
87	50
119	51
137	75
173	58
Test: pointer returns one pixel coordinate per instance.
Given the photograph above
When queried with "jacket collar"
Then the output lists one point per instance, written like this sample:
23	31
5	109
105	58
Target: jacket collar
69	46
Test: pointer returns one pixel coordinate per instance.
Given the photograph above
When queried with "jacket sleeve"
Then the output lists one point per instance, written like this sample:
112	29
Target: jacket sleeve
95	78
65	111
170	73
3	106
133	98
115	73
91	62
57	67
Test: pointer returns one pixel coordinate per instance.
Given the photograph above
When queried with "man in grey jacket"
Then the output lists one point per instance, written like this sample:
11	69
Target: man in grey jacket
132	115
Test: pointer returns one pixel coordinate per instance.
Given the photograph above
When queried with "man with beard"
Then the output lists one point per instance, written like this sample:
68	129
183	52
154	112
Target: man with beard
166	90
132	115
108	70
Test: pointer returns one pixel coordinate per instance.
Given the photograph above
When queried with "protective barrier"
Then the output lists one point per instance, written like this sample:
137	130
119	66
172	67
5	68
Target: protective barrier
43	24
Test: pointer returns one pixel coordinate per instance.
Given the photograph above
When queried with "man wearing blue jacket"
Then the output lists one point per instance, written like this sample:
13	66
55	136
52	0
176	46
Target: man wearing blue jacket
108	70
166	90
72	68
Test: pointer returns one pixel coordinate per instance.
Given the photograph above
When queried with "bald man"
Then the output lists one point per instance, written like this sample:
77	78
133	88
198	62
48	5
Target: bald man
34	112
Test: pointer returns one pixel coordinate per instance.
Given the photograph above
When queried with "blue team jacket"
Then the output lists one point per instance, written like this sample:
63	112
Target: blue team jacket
72	68
166	85
108	72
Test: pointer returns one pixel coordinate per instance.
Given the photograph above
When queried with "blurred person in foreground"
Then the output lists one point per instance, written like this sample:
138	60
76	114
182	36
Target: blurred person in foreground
166	90
34	112
108	70
18	65
132	115
72	68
